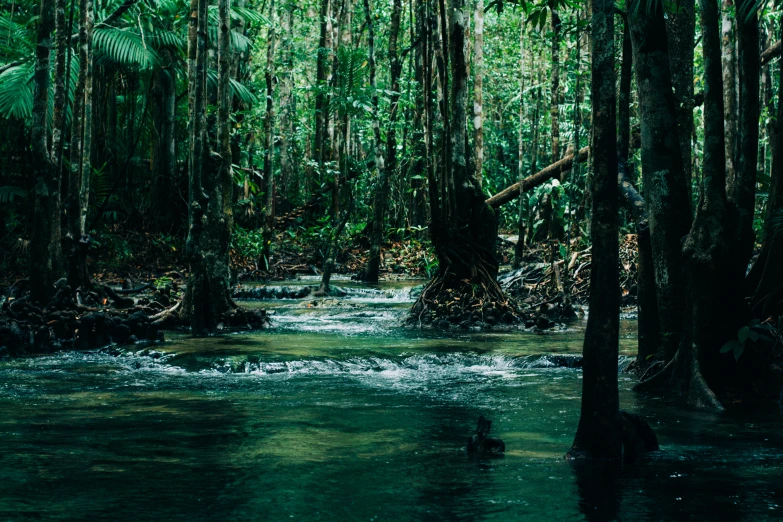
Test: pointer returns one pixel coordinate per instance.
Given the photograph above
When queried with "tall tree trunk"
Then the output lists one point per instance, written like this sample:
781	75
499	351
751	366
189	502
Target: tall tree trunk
418	215
322	86
680	27
81	146
664	178
598	435
46	224
382	182
164	98
466	243
269	173
765	281
714	291
742	188
519	248
478	86
554	106
287	113
728	60
648	323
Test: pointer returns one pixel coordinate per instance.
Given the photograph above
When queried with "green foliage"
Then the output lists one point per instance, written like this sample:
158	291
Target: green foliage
8	193
755	335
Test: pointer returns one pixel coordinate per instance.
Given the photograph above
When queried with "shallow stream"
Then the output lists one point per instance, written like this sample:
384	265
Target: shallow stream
337	413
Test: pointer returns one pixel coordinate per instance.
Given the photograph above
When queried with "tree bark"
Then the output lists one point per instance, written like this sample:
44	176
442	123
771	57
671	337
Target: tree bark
269	74
665	180
81	146
554	107
519	248
741	189
478	86
598	435
321	100
164	98
46	223
680	28
728	60
372	270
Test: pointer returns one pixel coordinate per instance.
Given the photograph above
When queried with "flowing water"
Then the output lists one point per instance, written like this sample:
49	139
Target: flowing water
337	413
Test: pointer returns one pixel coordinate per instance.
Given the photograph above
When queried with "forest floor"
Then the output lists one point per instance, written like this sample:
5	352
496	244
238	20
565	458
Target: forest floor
131	259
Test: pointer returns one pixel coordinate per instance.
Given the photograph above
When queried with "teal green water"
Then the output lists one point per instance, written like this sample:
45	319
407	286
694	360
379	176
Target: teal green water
336	413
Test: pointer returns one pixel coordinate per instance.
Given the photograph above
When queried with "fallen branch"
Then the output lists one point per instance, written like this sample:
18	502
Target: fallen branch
539	178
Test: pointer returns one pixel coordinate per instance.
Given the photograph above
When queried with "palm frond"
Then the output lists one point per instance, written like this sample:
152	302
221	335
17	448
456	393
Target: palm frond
237	89
9	192
124	48
239	42
239	14
16	91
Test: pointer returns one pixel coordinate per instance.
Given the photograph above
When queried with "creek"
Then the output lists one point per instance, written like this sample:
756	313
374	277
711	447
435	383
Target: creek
338	413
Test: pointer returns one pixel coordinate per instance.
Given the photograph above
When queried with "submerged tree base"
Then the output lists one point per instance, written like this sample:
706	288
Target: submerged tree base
463	304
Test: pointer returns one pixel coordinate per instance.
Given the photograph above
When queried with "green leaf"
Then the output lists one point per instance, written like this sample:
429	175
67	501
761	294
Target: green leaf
729	346
743	334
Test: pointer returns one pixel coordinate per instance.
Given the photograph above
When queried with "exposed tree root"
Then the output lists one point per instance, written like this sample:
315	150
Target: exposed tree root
463	304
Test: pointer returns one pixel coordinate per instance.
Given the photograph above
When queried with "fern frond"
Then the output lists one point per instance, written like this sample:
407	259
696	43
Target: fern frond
16	91
124	48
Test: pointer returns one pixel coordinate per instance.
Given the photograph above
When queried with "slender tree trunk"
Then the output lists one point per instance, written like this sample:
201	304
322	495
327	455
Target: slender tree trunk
728	60
664	178
519	249
269	127
554	107
164	98
81	147
382	183
322	85
287	114
598	435
46	224
478	86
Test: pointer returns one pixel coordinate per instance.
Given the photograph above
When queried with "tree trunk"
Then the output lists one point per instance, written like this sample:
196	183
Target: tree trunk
648	322
478	86
207	299
466	243
81	146
680	28
519	248
554	107
372	270
287	114
742	188
728	60
598	435
765	281
164	98
664	178
321	99
269	214
46	225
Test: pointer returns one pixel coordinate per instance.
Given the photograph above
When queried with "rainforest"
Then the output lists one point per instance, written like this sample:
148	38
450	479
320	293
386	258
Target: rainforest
391	259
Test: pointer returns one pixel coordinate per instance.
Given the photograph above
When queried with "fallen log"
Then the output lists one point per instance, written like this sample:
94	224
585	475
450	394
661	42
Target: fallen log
771	52
539	178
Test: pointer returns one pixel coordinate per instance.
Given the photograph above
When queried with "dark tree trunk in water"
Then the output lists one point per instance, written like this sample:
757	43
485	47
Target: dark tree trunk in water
465	242
598	435
44	251
715	291
648	323
207	299
665	181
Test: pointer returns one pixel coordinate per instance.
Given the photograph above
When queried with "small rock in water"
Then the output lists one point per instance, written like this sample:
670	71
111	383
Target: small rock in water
482	443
